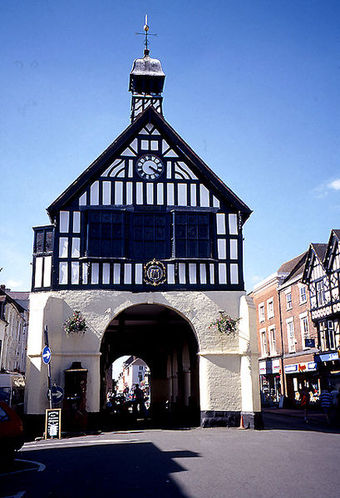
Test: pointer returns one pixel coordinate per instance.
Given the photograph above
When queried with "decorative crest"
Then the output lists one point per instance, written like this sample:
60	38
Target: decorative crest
146	34
154	273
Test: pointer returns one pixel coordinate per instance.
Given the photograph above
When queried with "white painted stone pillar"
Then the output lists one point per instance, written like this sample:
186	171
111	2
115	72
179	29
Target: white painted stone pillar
249	357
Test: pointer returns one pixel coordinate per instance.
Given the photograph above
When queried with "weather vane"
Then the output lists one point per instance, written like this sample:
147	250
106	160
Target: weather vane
146	34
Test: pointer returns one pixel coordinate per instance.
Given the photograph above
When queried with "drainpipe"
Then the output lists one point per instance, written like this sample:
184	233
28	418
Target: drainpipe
282	350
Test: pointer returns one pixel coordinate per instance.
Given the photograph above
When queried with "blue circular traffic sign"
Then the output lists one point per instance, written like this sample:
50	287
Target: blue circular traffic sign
46	355
57	394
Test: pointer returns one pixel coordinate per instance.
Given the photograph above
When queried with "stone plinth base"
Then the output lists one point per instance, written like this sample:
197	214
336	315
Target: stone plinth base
251	420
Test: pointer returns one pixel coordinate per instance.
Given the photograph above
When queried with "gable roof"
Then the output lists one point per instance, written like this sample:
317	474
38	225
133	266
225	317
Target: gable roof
21	297
5	296
294	267
290	265
330	251
320	251
315	250
179	145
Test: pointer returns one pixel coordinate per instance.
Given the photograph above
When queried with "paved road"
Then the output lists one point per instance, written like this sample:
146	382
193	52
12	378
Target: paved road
197	463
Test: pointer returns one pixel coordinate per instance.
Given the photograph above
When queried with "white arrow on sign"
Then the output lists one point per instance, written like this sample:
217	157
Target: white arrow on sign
57	395
47	355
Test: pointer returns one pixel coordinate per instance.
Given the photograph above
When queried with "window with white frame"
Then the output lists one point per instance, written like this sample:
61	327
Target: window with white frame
263	342
289	300
320	293
322	336
270	308
304	329
262	316
303	294
290	335
272	341
326	335
331	337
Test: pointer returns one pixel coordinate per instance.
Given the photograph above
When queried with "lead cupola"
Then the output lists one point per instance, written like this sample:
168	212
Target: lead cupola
146	81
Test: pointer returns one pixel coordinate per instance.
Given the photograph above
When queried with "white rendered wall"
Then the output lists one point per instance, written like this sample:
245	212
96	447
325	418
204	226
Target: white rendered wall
13	337
228	364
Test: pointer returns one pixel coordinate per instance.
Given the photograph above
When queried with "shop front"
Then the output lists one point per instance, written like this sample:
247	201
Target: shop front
299	375
270	381
329	368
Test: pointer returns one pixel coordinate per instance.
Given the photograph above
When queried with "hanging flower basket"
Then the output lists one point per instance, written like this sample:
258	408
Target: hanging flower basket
75	324
225	324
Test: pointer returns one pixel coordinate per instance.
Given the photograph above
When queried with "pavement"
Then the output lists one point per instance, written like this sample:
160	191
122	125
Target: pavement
287	418
317	416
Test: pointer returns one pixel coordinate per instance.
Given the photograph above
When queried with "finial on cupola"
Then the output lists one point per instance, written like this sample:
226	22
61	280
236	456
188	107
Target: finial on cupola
146	29
146	80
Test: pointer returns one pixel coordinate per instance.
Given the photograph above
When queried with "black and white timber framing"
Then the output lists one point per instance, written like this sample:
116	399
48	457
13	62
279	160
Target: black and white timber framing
112	222
322	275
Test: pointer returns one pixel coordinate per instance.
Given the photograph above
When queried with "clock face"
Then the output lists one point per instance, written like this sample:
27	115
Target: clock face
149	167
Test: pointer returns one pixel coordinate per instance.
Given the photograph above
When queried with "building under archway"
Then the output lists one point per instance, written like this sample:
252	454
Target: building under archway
167	343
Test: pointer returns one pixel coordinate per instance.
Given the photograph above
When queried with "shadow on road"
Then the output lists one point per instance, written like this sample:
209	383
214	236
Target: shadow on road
118	470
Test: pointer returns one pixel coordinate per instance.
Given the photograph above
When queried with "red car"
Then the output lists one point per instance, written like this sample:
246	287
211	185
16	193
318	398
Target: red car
11	432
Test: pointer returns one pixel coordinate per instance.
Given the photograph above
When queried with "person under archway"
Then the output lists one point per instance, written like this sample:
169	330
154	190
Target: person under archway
138	402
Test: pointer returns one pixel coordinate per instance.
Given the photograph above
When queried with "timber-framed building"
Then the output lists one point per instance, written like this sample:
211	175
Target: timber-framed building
147	244
322	275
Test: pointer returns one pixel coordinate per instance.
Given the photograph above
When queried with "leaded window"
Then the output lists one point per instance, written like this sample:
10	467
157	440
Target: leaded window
106	234
150	236
43	240
192	236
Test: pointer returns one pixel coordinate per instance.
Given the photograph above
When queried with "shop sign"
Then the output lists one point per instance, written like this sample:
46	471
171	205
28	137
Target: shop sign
301	367
311	365
329	357
291	368
262	367
276	366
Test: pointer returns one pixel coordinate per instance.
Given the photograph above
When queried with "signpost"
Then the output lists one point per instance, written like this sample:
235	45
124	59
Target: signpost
53	423
46	357
55	395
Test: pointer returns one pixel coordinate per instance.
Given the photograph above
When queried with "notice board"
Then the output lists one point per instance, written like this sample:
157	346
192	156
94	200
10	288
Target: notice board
53	423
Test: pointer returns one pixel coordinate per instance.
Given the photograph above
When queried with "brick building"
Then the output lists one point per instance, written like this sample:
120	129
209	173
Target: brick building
286	334
298	331
266	301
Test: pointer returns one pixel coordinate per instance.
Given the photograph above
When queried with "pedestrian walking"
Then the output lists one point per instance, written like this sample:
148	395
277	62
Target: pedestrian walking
138	401
304	401
326	402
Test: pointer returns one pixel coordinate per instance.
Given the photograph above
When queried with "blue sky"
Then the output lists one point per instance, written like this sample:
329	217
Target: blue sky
252	86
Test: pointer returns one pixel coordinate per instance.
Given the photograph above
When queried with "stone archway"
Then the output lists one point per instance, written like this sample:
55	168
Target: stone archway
167	343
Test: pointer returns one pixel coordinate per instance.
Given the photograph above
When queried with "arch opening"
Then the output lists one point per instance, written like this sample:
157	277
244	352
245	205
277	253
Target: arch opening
165	341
